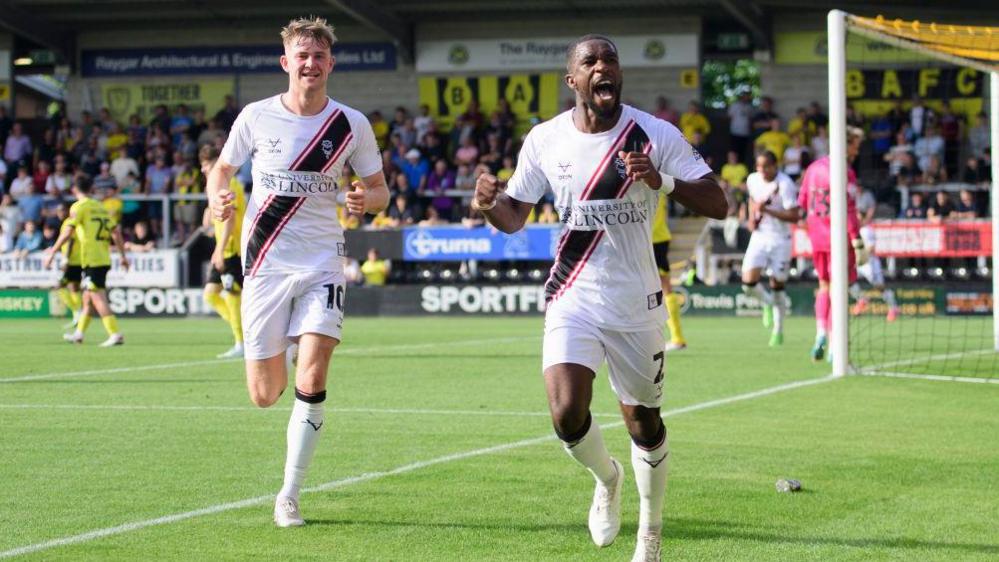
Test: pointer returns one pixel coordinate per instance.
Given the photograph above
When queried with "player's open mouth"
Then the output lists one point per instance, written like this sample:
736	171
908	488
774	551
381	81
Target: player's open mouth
605	90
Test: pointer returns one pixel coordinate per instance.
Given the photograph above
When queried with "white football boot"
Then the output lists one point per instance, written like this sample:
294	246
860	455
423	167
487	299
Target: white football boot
235	352
74	337
648	548
605	511
286	513
113	340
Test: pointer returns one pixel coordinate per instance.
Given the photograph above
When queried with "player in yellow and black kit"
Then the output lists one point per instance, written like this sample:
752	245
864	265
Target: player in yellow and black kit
92	227
225	281
69	285
661	237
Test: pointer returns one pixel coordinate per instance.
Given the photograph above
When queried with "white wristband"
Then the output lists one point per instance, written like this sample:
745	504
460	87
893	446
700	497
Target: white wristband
476	207
669	184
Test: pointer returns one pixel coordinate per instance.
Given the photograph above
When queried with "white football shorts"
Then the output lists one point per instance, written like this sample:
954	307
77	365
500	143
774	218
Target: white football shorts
277	308
769	253
872	269
636	360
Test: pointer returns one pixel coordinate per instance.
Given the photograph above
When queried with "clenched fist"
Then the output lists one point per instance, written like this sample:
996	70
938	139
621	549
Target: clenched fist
356	202
487	189
222	204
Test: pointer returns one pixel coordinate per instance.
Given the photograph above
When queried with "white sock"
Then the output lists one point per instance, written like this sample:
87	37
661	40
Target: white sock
758	291
590	451
889	296
303	434
780	307
651	467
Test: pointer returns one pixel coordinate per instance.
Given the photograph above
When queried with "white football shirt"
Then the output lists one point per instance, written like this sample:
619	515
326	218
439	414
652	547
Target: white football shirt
291	221
782	194
604	271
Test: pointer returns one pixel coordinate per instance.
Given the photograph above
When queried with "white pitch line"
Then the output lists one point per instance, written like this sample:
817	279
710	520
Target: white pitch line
930	377
369	476
927	358
165	408
347	351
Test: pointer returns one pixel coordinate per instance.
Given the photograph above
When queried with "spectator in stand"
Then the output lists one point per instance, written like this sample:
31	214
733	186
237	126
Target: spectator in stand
3	174
107	122
389	168
159	181
187	146
507	117
29	240
22	184
47	149
130	209
762	118
161	119
401	185
897	116
407	133
917	206
908	173
226	116
180	123
188	181
123	165
547	214
104	179
506	172
375	269
59	181
440	181
117	139
416	169
135	148
142	240
381	129
381	221
929	145
952	130
934	173
854	119
800	124
50	233
693	121
68	136
665	111
464	179
17	149
896	154
433	145
493	155
6	124
974	172
88	160
820	143
400	213
198	127
211	133
881	135
979	136
468	153
919	117
10	221
503	134
87	124
795	157
941	208
473	117
422	123
135	127
815	116
967	208
398	120
775	140
41	176
432	218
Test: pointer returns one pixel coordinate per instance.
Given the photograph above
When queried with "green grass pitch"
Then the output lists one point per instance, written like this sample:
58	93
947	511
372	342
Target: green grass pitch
438	447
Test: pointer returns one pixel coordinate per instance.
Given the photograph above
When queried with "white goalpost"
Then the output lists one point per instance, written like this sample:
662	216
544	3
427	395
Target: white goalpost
839	23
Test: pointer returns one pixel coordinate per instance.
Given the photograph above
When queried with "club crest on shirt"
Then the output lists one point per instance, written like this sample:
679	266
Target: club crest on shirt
327	147
620	167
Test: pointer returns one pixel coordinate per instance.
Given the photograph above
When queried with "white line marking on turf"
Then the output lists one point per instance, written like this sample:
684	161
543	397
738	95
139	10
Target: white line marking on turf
347	351
927	358
930	377
165	408
369	476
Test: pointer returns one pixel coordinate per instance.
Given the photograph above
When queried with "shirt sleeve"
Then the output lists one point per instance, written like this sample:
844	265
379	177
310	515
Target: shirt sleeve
366	158
239	146
788	193
528	183
677	157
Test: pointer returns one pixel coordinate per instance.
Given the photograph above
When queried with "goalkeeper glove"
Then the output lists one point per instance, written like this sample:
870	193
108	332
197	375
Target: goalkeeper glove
860	251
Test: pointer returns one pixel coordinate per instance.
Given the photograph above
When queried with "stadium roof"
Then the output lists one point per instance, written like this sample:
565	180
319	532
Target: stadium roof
54	24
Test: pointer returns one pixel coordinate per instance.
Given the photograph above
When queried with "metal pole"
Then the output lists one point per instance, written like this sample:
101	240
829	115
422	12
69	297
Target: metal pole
165	202
994	118
838	346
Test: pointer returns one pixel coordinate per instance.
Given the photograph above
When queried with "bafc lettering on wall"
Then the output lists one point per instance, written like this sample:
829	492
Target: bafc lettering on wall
529	95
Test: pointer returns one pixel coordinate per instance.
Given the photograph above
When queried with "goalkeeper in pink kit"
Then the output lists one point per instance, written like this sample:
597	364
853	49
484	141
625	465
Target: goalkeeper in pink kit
813	199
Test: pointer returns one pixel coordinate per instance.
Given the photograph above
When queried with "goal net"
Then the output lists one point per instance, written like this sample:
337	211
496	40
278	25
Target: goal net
925	95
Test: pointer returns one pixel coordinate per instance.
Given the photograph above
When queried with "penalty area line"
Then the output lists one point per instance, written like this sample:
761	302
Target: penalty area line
944	378
369	476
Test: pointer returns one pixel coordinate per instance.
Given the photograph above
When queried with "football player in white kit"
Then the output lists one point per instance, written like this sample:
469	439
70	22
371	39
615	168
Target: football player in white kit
773	208
292	241
607	164
866	207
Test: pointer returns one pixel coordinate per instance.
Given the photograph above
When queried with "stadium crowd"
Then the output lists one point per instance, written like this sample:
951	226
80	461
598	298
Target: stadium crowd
431	173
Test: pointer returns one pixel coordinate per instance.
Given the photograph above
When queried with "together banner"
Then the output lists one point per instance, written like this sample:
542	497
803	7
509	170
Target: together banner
158	268
126	99
529	95
458	243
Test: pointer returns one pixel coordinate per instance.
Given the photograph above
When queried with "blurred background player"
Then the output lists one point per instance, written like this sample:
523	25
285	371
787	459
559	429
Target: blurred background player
225	281
93	229
72	274
661	236
604	295
813	199
871	271
773	208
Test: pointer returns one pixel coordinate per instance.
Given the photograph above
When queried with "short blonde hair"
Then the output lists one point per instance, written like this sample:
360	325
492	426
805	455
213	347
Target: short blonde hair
854	134
312	27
